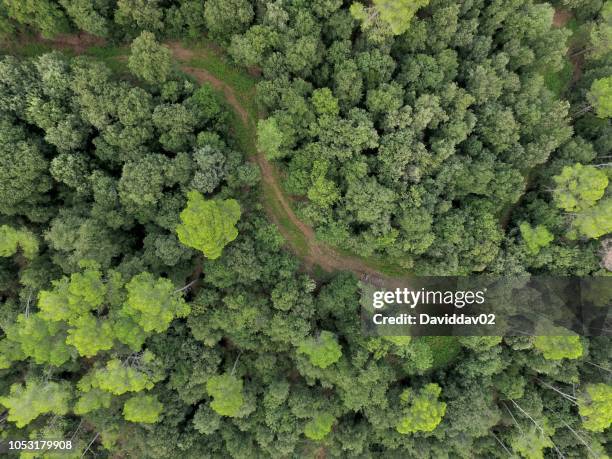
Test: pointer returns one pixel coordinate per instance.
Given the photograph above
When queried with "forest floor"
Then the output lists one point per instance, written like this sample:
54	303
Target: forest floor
204	62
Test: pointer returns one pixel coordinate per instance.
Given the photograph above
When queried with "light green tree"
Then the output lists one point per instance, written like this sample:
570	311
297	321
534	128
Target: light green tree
535	238
149	60
394	14
208	225
322	351
39	339
26	402
319	426
119	377
91	400
226	391
600	97
601	34
595	407
579	187
154	303
424	412
12	240
594	222
142	408
270	138
90	335
559	347
74	297
530	443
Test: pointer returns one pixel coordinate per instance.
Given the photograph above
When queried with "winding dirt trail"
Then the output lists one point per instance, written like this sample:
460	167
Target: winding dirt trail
317	253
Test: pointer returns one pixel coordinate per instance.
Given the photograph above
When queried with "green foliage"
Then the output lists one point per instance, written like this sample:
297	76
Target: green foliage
601	34
323	350
226	391
600	96
418	148
595	406
531	443
559	347
149	60
208	225
395	14
319	426
11	240
90	336
142	408
28	401
119	378
45	15
424	412
536	238
579	187
91	400
40	339
593	222
227	17
153	303
269	138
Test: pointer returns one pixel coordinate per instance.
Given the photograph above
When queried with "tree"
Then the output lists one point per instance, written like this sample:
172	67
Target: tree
28	401
225	18
559	347
600	97
595	407
579	187
424	412
119	377
270	138
593	222
44	15
11	240
90	335
319	426
601	34
208	225
86	15
24	176
226	391
140	14
153	303
149	60
536	238
43	341
323	350
142	408
395	14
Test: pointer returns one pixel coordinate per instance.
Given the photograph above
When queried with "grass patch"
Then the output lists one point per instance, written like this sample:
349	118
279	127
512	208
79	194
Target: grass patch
25	50
114	57
220	66
378	263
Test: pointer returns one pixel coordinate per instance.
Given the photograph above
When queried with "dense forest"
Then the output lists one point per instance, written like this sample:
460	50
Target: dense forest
150	304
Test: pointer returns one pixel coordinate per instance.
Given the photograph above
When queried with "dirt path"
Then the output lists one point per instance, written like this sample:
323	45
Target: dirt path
561	19
317	253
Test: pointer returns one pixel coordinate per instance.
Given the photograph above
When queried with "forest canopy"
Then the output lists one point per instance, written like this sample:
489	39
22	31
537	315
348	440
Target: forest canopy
154	303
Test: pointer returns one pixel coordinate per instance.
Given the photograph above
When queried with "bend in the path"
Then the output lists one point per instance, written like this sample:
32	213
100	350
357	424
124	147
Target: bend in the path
317	253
